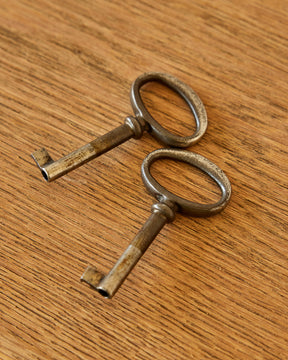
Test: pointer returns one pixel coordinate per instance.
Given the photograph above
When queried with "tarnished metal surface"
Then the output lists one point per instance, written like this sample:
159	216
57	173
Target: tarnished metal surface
55	169
162	212
184	205
192	99
132	127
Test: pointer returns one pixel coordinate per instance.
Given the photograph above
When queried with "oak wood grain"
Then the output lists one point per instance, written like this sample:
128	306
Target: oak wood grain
207	288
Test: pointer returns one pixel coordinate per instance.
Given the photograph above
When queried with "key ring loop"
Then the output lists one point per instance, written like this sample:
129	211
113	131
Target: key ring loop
184	205
192	99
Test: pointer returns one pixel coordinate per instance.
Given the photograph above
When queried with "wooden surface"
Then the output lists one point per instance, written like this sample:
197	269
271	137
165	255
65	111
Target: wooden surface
211	288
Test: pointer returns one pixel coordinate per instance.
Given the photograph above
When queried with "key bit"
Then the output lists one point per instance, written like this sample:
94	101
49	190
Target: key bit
92	276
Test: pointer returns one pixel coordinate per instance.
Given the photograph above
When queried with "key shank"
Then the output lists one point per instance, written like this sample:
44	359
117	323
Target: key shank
51	170
109	284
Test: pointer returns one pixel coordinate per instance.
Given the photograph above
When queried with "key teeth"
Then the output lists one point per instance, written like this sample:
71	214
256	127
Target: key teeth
42	157
92	276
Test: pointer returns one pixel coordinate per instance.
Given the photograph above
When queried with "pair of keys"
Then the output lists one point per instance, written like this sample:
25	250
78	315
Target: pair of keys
168	203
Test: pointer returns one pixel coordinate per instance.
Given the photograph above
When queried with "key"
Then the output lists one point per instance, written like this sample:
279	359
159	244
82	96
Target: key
133	126
163	212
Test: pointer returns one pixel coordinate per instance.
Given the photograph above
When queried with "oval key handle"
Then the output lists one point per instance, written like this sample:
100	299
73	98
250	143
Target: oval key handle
184	205
189	95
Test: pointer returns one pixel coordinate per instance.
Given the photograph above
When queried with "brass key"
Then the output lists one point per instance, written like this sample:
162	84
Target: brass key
162	213
133	126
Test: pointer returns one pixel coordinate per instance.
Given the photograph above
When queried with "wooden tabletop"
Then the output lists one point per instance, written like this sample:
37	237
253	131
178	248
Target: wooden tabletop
207	288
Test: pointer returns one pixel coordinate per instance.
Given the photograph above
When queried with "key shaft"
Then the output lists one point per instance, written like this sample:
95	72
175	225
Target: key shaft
52	170
109	284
